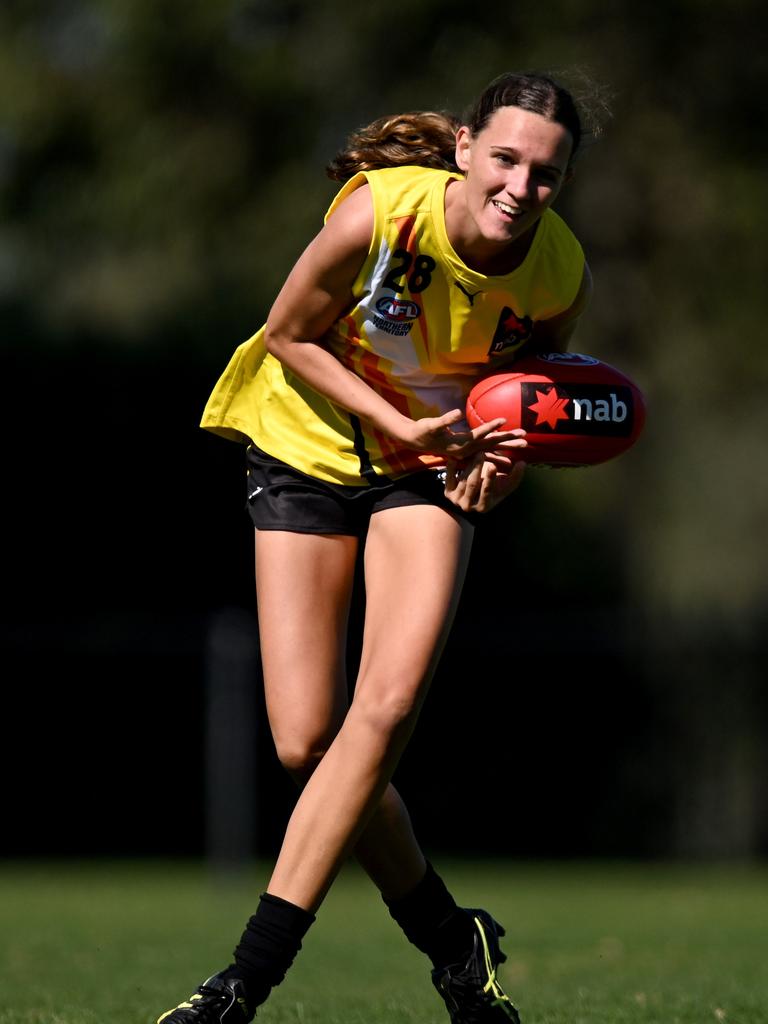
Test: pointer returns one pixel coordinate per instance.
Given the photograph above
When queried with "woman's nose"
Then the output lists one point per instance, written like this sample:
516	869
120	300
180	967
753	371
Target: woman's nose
519	182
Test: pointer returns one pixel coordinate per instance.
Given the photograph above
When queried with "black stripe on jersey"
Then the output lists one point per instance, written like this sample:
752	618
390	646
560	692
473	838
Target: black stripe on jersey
367	472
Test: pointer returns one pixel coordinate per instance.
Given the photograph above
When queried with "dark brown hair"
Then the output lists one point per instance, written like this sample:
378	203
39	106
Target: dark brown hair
531	91
428	138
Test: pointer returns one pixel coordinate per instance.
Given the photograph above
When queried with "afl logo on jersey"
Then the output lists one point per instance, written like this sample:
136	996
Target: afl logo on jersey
395	316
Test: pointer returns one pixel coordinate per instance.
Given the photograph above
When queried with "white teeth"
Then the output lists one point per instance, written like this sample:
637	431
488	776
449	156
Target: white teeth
506	208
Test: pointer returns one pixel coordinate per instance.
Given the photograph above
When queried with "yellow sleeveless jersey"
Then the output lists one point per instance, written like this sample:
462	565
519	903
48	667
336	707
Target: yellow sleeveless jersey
423	328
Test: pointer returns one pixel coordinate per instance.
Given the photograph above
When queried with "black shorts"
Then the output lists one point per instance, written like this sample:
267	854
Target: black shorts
282	498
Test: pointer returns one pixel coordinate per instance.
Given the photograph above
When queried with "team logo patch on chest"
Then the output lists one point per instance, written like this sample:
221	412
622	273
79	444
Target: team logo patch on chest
511	331
395	316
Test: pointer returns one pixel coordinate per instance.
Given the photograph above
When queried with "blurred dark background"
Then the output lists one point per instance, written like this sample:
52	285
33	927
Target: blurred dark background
161	167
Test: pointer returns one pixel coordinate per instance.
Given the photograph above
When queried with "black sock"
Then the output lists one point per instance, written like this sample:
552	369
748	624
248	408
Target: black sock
433	922
269	944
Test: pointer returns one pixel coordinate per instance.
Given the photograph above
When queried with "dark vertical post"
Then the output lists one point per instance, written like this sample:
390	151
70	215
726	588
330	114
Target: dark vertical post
232	675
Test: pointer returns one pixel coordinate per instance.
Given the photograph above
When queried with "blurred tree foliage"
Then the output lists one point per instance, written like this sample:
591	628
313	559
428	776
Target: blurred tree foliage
161	167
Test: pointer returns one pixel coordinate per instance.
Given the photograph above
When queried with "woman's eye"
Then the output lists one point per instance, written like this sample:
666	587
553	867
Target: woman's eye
504	159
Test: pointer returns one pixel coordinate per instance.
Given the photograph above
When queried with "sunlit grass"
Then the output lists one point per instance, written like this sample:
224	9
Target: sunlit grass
587	944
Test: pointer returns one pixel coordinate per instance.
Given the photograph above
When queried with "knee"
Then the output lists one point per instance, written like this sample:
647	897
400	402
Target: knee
388	714
300	756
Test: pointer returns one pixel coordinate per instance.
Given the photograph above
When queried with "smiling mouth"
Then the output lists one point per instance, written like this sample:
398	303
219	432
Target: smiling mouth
513	212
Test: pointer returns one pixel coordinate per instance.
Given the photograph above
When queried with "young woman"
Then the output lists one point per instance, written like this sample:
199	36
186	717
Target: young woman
440	260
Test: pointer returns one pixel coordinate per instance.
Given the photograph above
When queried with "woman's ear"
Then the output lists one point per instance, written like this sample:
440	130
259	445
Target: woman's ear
463	145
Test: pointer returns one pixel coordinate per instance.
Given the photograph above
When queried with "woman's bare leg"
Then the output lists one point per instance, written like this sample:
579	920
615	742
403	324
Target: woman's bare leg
303	655
303	589
414	565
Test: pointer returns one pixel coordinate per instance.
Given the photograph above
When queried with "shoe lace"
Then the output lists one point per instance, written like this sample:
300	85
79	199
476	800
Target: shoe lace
208	992
492	987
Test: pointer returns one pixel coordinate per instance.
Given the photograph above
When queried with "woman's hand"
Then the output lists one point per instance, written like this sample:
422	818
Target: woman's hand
434	434
481	482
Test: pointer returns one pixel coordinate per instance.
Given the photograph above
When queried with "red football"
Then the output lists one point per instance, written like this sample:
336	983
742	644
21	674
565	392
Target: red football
576	410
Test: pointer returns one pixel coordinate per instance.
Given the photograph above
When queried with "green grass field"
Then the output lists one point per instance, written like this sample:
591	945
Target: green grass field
587	944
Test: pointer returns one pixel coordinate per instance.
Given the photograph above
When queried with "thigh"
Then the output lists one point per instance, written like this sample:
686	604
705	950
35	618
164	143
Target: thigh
415	563
303	588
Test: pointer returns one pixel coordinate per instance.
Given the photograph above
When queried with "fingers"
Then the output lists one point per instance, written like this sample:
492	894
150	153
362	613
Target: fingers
500	486
488	437
507	439
449	418
473	482
463	481
435	434
484	439
479	484
506	459
488	428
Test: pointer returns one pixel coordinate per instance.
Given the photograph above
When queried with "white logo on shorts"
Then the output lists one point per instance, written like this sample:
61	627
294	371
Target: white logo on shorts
254	493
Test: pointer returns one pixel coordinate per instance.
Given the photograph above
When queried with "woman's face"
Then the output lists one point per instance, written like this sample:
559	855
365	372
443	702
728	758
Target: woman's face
514	169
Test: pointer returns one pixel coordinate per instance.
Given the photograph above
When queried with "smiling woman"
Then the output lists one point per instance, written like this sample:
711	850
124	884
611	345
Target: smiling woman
440	260
515	168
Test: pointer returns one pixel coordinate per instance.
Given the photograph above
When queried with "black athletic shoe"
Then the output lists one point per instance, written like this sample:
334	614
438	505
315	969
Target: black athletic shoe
470	990
219	1000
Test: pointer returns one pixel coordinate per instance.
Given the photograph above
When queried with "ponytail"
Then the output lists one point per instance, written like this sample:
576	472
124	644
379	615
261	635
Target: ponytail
424	139
428	138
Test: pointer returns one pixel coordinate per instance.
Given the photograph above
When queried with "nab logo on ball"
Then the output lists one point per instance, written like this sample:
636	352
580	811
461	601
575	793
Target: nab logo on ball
576	411
591	410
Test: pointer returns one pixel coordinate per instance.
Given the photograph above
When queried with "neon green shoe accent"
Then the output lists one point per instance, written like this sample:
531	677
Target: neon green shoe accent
168	1013
187	1005
501	999
219	999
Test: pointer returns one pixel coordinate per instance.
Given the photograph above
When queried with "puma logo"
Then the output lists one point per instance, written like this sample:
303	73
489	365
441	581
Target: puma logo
470	295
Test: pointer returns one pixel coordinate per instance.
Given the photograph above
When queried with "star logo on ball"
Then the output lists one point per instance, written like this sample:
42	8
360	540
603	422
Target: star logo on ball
549	407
